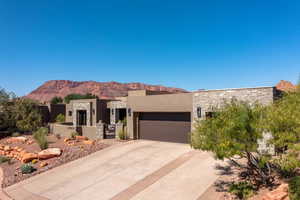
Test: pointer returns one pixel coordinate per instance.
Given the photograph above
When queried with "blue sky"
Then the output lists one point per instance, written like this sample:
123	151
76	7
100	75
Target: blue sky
188	44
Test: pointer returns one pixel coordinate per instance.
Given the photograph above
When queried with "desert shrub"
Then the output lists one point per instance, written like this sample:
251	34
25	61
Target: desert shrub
41	137
34	161
60	118
122	134
287	165
56	100
74	134
4	159
74	96
294	188
242	190
27	115
27	169
15	134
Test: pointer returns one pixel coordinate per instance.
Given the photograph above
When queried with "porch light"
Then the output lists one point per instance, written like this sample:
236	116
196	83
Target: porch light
129	112
199	112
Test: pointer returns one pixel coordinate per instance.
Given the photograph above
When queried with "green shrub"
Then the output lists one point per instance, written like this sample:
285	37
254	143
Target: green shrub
243	190
41	137
4	159
122	134
287	165
294	188
27	169
15	134
60	118
74	134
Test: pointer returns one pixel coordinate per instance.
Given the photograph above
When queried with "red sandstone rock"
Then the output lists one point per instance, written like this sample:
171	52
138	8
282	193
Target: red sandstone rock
104	90
89	142
29	157
17	139
280	193
7	148
285	86
43	164
79	137
49	153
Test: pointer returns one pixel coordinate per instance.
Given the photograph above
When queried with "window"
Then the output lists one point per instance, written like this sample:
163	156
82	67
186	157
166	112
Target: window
70	113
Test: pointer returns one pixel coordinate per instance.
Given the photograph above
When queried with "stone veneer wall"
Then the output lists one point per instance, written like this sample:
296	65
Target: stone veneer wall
82	106
216	98
113	105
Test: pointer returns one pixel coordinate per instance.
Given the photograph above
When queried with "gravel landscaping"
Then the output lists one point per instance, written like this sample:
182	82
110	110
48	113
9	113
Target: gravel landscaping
71	150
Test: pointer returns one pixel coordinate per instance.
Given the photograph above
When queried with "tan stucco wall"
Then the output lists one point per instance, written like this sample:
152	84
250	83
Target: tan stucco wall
62	130
157	103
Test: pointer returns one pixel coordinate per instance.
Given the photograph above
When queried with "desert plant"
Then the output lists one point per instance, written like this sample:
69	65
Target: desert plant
294	188
15	134
27	115
242	190
287	165
74	134
56	100
234	130
34	161
4	159
60	118
41	137
122	134
27	169
58	136
74	96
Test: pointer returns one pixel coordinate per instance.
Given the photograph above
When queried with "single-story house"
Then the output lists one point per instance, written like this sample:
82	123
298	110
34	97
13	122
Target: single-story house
157	115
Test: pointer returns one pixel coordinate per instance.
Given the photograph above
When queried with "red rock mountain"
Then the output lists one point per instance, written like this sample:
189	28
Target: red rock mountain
285	86
104	90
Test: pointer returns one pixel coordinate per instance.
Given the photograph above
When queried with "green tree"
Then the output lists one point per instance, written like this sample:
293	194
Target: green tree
56	100
234	130
27	115
7	120
74	96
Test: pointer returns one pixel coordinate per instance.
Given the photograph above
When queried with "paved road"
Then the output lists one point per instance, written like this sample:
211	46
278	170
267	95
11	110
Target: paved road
137	170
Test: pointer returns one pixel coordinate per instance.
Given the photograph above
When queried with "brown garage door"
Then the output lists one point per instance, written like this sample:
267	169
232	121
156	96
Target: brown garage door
167	127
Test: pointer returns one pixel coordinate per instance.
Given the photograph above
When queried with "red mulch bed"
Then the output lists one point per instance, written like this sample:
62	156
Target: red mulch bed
12	172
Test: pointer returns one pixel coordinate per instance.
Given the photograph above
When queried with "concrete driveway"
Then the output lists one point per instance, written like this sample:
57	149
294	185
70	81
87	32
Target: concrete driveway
135	170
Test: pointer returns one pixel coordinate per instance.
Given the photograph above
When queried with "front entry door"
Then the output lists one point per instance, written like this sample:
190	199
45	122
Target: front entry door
81	117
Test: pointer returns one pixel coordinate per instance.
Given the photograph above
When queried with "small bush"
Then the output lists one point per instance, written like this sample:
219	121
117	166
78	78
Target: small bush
60	118
74	134
4	159
41	138
34	161
242	190
15	134
294	188
287	165
122	134
27	169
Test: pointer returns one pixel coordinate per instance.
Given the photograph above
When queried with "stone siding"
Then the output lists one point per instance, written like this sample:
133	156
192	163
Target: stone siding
206	100
82	106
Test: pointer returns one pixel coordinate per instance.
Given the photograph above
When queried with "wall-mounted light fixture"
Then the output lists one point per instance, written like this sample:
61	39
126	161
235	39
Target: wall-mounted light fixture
93	111
112	111
199	112
129	112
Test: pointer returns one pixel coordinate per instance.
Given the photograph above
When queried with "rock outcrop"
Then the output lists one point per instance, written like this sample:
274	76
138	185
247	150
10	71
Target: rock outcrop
286	86
104	90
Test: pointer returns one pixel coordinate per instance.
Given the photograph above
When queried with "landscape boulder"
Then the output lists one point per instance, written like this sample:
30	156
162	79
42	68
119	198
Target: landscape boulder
17	139
280	193
89	142
27	157
49	153
79	137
